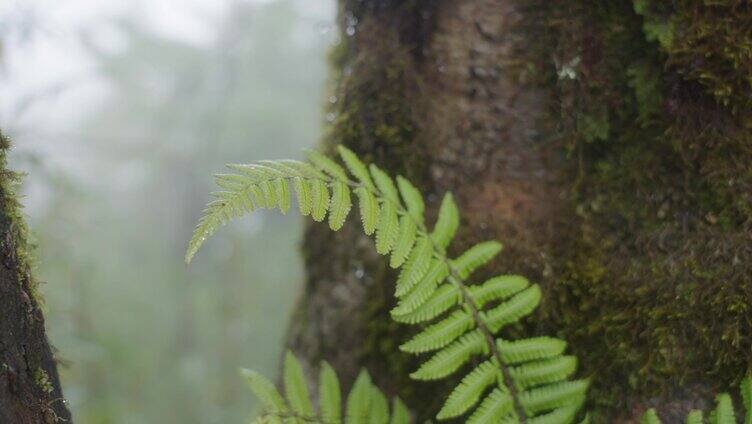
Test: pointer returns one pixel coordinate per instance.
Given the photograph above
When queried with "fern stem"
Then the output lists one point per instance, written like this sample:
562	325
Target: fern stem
490	341
467	299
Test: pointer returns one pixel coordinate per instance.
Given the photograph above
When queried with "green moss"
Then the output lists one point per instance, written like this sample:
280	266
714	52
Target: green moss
13	218
653	284
42	380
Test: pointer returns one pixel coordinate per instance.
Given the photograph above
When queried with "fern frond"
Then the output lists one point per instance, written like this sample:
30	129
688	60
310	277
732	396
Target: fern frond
356	167
359	400
418	296
369	210
295	386
498	288
530	375
476	257
519	351
469	391
650	417
305	198
724	410
413	199
379	408
319	199
694	417
340	205
520	305
405	242
329	394
545	371
387	229
327	165
451	358
553	396
440	334
415	268
365	403
400	414
746	389
447	222
264	391
282	189
494	408
445	296
385	184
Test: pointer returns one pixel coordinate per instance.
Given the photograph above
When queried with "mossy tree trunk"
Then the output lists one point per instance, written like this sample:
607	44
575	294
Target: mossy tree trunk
29	386
607	144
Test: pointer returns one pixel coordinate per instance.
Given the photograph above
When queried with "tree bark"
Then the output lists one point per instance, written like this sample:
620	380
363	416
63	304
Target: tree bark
606	144
29	386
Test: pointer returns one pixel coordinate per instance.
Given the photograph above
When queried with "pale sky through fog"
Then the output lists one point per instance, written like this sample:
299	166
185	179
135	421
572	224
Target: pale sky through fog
46	77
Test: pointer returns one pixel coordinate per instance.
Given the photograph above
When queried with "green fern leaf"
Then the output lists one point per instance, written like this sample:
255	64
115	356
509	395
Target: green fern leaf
387	229
405	242
694	417
452	357
547	398
282	189
416	266
329	394
447	223
327	165
545	371
369	210
320	200
724	410
295	386
564	415
497	288
385	184
494	408
412	197
746	389
400	414
520	305
264	391
232	182
356	167
440	301
340	205
379	407
650	417
469	391
303	193
532	349
359	399
216	214
476	257
440	334
269	193
295	168
437	272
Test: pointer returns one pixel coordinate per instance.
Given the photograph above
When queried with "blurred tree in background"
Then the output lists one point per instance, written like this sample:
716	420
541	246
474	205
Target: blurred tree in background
113	198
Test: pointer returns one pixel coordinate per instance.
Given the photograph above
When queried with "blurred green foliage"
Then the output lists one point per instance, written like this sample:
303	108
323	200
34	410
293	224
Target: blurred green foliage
141	337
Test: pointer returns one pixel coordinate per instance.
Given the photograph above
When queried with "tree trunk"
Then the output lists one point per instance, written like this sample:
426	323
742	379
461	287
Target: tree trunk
29	386
606	144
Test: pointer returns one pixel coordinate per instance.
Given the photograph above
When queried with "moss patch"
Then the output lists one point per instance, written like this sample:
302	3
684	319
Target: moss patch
653	286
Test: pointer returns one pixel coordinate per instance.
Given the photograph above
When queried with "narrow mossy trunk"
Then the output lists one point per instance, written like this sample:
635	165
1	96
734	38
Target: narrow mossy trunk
607	144
29	385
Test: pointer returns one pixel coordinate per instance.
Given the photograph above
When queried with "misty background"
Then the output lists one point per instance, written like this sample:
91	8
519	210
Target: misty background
119	112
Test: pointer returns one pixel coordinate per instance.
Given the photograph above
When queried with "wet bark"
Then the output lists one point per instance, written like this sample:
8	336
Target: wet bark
29	385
